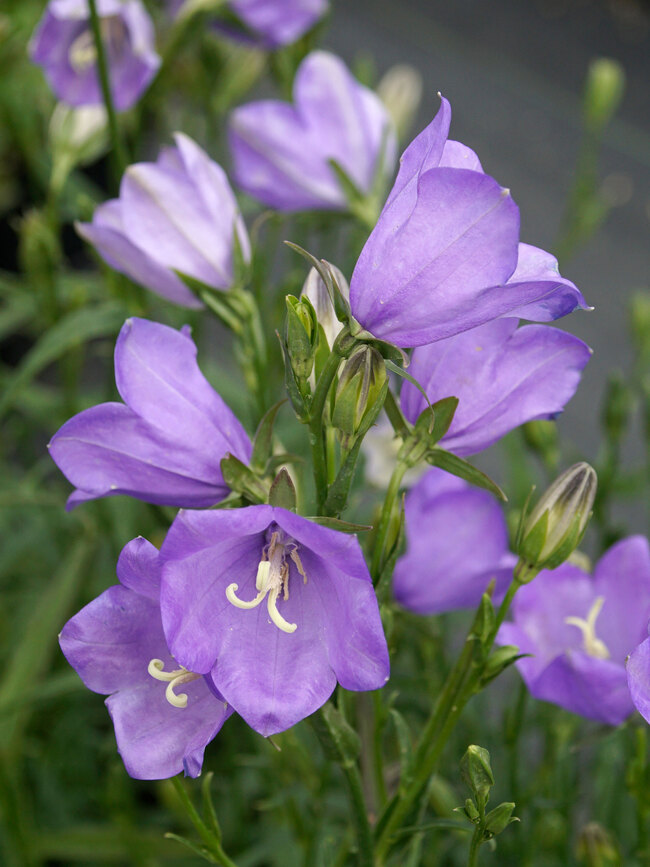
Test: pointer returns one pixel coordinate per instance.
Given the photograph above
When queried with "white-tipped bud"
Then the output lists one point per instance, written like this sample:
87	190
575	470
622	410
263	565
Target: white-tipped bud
400	90
315	290
77	136
556	525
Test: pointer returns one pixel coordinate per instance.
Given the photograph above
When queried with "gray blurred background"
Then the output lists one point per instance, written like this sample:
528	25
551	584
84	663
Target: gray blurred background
514	73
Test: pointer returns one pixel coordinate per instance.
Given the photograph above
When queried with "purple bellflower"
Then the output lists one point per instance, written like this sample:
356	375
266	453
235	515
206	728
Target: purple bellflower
177	214
502	375
445	255
164	444
287	609
64	46
579	630
638	678
164	715
282	152
457	542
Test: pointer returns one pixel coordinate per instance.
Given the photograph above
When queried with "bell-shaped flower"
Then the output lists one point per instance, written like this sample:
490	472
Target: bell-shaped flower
502	375
445	255
164	715
177	214
64	46
456	543
275	608
283	153
579	630
164	444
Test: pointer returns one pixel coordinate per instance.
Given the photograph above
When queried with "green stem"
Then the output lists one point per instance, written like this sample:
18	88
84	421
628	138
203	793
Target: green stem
357	802
392	494
378	754
475	845
119	155
210	840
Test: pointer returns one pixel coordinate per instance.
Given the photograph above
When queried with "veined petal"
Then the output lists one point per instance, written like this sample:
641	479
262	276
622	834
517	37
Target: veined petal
138	568
557	296
638	678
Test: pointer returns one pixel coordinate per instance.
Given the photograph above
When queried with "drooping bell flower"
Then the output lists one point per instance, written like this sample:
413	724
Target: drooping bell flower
457	542
164	715
579	630
502	375
164	444
64	46
445	255
287	609
177	214
282	152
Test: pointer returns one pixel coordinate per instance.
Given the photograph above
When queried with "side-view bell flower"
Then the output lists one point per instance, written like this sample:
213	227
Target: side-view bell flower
445	255
177	214
64	46
502	375
164	444
282	152
579	630
164	715
457	542
287	609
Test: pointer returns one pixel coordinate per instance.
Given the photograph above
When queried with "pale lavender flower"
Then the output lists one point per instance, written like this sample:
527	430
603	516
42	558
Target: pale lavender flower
275	608
63	45
445	255
164	444
282	152
579	630
457	542
503	376
164	716
177	214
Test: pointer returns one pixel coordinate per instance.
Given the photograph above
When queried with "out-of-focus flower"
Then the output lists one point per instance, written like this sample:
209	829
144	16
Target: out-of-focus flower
287	609
445	255
579	630
77	136
271	23
164	444
457	542
64	46
283	153
117	646
177	214
502	375
400	89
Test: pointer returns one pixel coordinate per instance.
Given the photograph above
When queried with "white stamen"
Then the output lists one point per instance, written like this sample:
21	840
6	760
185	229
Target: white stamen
590	643
179	676
83	53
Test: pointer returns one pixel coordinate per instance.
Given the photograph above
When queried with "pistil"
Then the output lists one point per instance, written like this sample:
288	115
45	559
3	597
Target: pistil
591	644
179	676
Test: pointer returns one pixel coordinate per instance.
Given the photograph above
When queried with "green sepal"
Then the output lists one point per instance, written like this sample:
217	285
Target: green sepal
484	622
502	658
283	491
451	463
301	334
470	810
476	772
224	304
297	401
339	302
497	820
242	479
405	748
443	411
338	524
263	439
530	546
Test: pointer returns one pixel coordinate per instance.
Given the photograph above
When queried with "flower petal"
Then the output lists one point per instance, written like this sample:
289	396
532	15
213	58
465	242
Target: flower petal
556	296
138	568
638	678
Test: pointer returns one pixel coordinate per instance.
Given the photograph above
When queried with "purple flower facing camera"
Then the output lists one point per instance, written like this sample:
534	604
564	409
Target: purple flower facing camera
64	46
445	255
579	630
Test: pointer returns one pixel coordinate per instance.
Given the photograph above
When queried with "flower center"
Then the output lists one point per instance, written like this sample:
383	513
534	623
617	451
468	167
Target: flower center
590	644
156	669
83	54
272	579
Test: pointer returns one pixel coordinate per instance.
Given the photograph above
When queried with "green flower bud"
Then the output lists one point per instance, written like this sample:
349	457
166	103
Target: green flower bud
617	407
640	325
477	774
603	92
360	386
77	136
301	335
497	820
400	89
555	527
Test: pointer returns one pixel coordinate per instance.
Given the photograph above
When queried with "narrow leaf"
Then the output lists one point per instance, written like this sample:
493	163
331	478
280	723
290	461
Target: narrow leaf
263	441
283	492
451	463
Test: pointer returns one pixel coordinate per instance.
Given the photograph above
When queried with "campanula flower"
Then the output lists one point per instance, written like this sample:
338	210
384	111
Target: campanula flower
177	214
282	153
503	376
64	46
445	255
164	444
164	715
275	608
457	542
579	630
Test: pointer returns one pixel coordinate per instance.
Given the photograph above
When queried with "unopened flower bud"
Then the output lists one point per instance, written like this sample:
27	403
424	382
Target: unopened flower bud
400	89
595	847
301	335
497	820
616	408
555	527
77	136
315	290
360	385
640	325
603	92
477	773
